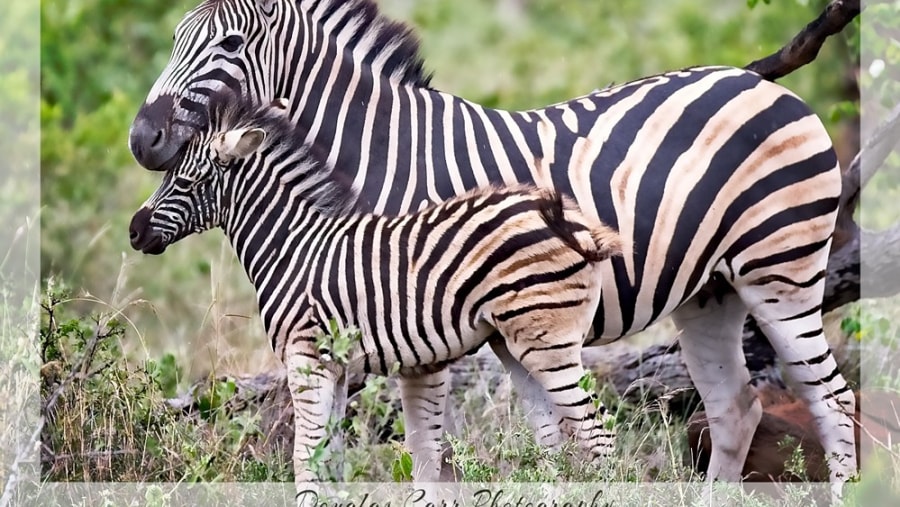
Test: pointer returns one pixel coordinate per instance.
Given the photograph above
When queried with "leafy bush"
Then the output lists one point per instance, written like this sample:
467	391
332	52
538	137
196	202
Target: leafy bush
108	420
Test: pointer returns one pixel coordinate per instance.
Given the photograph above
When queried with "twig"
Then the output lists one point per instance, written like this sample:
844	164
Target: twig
805	46
92	454
78	372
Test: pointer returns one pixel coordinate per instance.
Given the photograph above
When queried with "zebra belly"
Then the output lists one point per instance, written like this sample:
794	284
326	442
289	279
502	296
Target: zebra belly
387	351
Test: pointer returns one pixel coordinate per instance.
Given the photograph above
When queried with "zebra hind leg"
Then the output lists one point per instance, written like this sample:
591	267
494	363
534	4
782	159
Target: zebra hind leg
792	322
424	398
556	366
710	338
538	408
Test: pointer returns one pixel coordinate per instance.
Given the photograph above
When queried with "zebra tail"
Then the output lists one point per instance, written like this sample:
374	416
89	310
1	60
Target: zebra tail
606	241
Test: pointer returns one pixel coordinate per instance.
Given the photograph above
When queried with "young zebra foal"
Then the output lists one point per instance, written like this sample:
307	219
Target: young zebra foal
513	264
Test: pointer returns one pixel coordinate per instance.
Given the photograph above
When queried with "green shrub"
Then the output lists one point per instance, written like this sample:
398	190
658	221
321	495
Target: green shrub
108	420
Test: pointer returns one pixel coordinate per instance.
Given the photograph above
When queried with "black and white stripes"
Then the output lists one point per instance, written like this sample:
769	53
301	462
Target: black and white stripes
516	265
708	171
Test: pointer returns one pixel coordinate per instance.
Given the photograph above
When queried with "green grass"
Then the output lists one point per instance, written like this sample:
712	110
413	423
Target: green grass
108	421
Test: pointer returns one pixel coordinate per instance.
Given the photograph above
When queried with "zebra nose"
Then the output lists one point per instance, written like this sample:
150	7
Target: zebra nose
146	143
138	231
150	139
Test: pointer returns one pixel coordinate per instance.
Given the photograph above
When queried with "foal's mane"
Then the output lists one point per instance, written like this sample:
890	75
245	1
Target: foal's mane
325	190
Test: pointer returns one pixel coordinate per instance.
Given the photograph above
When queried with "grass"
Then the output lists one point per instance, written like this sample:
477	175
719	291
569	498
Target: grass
108	421
107	418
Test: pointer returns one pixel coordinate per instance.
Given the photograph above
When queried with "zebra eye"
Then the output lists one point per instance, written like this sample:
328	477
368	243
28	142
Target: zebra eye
183	183
232	43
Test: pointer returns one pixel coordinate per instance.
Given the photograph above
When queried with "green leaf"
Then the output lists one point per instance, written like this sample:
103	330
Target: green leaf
851	325
588	382
401	468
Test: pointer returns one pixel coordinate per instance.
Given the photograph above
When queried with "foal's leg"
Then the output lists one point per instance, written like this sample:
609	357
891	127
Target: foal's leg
539	410
555	364
424	398
312	388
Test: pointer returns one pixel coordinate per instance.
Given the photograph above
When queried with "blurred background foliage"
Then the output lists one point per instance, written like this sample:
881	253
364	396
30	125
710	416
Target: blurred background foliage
19	130
19	183
100	58
880	85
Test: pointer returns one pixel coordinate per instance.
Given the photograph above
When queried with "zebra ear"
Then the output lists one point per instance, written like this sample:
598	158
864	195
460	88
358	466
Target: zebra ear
280	105
240	143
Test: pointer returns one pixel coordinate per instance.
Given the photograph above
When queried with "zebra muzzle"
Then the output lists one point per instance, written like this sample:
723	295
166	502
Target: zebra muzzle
142	236
153	140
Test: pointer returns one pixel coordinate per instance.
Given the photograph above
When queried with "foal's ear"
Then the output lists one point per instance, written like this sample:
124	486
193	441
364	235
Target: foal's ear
239	143
280	105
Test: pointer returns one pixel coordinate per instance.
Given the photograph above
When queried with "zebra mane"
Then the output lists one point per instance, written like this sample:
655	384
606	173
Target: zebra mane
305	166
392	44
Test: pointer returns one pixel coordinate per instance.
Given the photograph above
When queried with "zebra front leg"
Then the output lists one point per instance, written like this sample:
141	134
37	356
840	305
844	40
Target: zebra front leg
710	341
312	387
424	398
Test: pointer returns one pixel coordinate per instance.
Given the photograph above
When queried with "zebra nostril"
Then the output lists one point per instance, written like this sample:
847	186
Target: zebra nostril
138	229
152	139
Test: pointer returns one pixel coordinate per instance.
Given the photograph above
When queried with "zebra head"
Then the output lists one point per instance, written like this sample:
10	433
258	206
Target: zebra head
266	49
219	45
246	155
190	198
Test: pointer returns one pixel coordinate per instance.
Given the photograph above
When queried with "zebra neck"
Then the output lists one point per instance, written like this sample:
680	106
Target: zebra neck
434	144
275	222
364	100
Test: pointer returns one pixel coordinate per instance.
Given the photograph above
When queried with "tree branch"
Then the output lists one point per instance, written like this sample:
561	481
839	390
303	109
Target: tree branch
806	45
881	250
880	144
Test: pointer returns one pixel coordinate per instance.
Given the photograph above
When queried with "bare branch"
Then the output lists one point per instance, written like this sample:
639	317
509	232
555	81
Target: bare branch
80	369
881	250
881	142
92	455
806	45
842	280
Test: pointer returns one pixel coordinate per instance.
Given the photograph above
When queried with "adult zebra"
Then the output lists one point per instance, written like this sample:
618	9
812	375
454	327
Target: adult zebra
706	172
